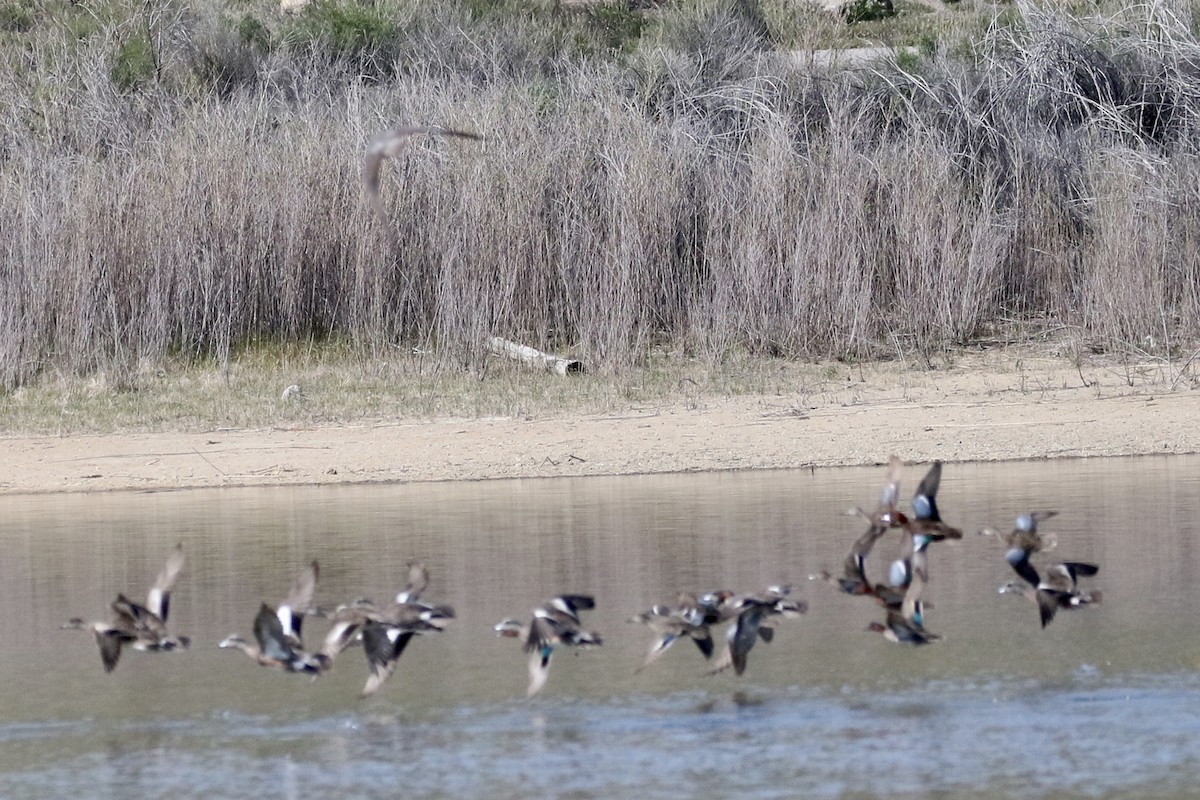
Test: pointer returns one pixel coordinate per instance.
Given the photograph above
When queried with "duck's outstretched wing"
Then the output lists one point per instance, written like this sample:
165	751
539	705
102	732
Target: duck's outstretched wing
924	502
543	632
889	498
1079	569
272	641
1048	602
572	604
137	618
158	600
539	669
704	642
383	645
418	580
110	642
742	636
1018	559
297	603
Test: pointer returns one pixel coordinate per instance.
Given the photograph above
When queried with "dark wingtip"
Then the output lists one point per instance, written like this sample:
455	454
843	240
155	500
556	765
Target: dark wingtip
1081	568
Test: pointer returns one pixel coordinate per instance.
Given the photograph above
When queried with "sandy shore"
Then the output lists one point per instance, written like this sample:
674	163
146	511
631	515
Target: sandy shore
977	409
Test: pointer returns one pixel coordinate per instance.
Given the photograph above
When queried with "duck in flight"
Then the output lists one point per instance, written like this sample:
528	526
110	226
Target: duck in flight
905	621
1023	541
886	516
1056	588
556	624
691	618
277	641
386	631
756	619
142	627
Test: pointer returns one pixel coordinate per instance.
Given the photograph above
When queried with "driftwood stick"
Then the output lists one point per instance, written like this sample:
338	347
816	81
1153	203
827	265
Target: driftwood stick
534	358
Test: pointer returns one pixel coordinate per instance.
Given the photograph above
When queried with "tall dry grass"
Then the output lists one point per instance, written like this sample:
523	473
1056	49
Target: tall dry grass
698	190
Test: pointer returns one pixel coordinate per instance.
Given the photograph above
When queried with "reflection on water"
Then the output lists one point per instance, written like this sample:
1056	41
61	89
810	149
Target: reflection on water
1105	702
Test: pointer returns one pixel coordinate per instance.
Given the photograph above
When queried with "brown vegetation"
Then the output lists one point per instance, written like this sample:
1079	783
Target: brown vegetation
674	180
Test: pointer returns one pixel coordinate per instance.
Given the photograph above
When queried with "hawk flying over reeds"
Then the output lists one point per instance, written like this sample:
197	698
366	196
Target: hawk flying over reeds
392	144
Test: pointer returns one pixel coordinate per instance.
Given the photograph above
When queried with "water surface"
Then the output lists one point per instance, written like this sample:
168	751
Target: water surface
1103	703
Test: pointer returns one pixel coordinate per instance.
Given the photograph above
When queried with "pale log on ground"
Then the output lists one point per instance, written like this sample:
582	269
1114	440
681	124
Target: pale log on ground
533	357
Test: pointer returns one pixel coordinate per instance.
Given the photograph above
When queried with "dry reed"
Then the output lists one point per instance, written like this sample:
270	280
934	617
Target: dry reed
699	190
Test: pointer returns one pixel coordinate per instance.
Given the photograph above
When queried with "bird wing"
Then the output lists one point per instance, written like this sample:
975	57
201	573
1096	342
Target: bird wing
890	497
298	601
272	641
1079	569
1018	559
391	144
924	501
855	566
110	642
572	604
542	632
339	637
910	606
742	636
158	600
539	670
661	644
1057	578
383	645
418	579
128	614
1048	602
704	642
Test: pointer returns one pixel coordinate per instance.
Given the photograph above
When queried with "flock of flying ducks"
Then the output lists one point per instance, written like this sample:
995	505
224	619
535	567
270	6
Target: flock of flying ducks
385	631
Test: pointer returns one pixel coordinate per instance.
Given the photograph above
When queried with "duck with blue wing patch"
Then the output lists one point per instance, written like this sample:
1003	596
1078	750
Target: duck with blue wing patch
556	624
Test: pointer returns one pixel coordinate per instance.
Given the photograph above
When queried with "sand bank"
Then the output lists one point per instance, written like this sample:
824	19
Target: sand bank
977	409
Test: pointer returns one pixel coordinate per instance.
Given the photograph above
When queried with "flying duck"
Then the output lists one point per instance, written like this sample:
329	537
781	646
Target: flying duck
1056	588
386	631
1023	541
277	641
887	515
555	624
756	620
142	627
691	618
391	144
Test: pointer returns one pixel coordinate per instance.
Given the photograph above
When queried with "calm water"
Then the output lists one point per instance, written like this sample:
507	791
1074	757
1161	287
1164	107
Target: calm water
1104	703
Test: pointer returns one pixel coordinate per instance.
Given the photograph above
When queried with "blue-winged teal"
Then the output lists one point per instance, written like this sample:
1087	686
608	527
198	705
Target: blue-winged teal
140	627
887	515
552	625
926	519
691	618
923	529
277	641
387	631
1023	541
757	615
1056	588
